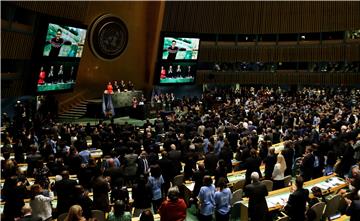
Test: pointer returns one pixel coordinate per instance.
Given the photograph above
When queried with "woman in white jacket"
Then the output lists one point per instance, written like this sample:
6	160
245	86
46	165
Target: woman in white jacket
40	204
278	172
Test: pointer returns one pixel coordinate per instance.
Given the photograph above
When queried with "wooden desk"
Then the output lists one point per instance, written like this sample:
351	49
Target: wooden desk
343	218
232	177
278	198
278	147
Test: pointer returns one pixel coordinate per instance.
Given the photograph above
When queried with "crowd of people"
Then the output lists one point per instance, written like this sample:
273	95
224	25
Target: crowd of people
319	127
259	66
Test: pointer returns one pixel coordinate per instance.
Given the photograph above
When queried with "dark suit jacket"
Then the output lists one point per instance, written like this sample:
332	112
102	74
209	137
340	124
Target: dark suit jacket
210	162
354	210
167	170
65	190
252	164
307	167
257	203
30	218
175	156
296	205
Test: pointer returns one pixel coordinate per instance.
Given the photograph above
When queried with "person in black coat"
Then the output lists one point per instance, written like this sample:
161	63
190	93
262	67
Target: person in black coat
353	209
175	156
307	164
166	170
65	191
256	191
288	154
296	204
252	164
142	195
27	214
270	161
101	188
211	160
81	198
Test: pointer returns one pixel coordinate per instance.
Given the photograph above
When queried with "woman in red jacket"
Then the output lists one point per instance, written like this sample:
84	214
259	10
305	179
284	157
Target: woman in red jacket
173	208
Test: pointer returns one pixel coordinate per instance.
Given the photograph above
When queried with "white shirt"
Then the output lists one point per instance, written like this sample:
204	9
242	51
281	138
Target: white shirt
41	207
277	173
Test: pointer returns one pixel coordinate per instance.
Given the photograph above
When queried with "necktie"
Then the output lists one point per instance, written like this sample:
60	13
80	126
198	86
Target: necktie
146	166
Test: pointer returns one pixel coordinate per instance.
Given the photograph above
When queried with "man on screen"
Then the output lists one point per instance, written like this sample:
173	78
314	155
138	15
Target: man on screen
173	49
56	43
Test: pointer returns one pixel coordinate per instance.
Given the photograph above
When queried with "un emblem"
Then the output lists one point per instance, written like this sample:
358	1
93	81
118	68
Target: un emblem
108	37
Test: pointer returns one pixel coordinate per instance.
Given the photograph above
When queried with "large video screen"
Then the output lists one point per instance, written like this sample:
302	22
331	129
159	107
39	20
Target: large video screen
178	73
64	41
56	76
176	48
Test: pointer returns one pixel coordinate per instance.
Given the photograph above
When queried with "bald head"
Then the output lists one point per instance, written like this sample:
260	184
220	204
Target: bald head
25	210
255	176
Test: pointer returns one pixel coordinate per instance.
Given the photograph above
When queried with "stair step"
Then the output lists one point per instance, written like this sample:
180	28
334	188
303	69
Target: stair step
71	115
77	109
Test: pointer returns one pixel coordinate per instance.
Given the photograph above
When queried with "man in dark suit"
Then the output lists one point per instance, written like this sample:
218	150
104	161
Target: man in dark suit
307	164
175	156
252	164
353	209
27	212
65	190
211	160
296	204
256	191
166	170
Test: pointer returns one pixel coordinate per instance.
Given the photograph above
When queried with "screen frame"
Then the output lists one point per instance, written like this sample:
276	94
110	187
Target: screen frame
160	62
38	59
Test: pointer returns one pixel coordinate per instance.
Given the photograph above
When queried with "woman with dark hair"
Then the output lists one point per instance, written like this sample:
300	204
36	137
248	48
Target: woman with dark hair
146	215
222	201
318	197
173	209
119	213
252	164
142	195
156	181
221	172
206	200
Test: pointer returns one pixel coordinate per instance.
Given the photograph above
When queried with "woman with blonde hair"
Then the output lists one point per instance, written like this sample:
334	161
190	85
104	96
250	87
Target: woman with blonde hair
75	214
278	172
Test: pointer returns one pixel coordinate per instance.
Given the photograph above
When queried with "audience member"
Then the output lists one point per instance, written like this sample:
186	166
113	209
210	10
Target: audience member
173	208
119	213
256	191
75	214
206	199
296	204
40	204
222	201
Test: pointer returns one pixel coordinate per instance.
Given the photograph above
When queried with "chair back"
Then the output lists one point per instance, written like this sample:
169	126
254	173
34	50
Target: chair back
99	215
235	212
239	185
287	180
318	208
178	180
332	206
62	216
268	184
283	218
237	196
